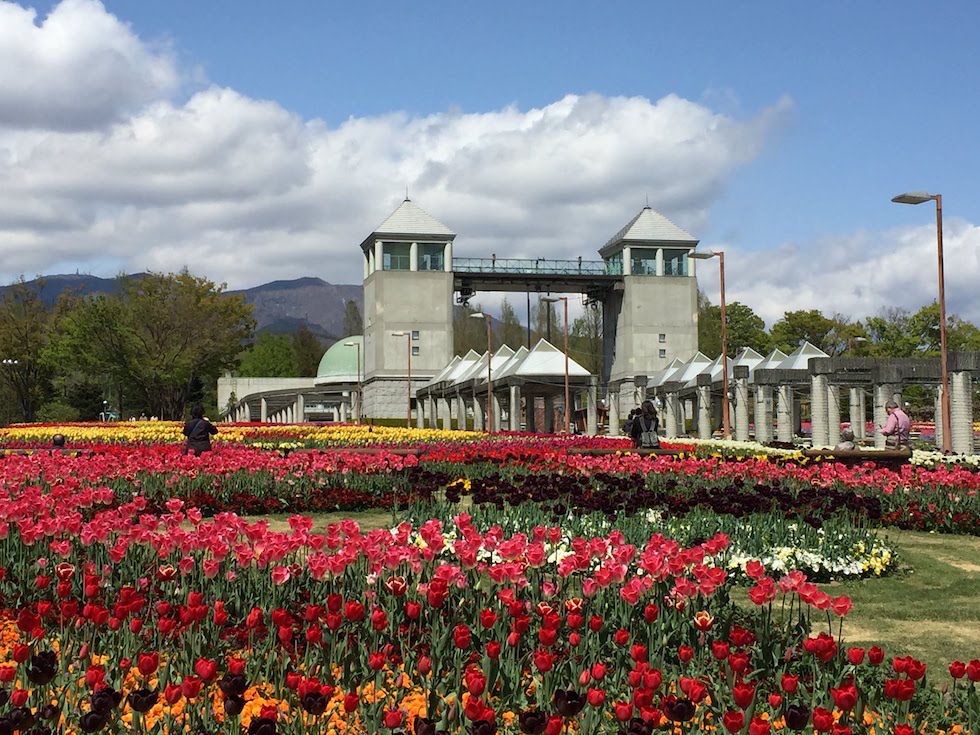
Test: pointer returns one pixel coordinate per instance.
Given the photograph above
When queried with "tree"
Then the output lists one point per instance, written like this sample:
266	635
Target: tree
25	331
353	323
585	340
512	332
745	328
308	350
469	333
163	337
797	327
543	314
895	332
270	356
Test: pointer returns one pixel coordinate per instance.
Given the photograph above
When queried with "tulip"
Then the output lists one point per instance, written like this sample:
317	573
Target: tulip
568	702
678	710
733	721
797	716
759	726
532	722
143	700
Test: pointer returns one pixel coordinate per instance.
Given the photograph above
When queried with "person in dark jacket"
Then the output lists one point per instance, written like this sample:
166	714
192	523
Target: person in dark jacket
647	421
198	432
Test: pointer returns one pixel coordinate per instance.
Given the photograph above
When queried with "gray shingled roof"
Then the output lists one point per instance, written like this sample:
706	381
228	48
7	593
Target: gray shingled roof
411	219
650	226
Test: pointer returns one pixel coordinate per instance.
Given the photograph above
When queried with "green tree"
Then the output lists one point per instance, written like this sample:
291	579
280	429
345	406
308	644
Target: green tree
25	331
543	314
895	332
745	328
512	332
164	338
585	340
797	327
270	356
469	333
307	350
353	323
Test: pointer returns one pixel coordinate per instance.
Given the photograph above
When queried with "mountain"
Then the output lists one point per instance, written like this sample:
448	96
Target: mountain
279	306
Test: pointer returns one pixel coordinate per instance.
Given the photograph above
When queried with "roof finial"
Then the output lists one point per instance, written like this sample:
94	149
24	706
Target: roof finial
406	195
648	202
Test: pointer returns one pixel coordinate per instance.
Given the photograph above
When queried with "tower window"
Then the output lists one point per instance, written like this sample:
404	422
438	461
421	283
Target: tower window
396	256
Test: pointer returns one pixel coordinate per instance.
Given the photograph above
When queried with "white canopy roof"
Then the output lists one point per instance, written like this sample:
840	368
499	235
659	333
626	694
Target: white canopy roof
800	358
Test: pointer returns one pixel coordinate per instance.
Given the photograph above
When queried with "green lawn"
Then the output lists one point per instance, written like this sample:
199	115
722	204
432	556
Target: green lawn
929	610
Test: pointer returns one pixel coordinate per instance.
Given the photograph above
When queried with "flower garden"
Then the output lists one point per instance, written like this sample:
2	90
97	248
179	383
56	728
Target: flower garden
519	588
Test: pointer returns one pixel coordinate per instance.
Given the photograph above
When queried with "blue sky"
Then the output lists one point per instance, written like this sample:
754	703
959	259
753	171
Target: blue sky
833	109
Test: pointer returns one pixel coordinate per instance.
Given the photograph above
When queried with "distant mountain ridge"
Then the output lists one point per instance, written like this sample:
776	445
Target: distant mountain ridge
279	306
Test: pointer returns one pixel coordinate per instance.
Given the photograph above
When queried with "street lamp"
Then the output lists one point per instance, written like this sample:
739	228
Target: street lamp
408	415
720	254
552	300
357	416
486	318
921	197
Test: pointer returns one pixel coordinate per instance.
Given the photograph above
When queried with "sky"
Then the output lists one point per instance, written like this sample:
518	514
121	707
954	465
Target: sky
255	141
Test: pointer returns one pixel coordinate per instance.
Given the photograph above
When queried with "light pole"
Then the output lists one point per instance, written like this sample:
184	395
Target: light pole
725	425
357	415
568	408
921	197
408	415
486	318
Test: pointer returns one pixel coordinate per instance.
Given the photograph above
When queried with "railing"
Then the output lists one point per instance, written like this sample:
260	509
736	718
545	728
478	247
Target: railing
537	266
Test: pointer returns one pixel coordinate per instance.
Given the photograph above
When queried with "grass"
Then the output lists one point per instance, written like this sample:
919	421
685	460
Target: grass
930	609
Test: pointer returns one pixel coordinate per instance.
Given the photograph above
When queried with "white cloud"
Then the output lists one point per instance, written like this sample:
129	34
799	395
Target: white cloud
79	69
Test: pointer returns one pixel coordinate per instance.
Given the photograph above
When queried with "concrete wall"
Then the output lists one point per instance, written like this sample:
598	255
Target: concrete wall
243	387
650	306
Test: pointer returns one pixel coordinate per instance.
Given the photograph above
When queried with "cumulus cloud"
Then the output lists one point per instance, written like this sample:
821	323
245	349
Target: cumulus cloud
856	274
78	69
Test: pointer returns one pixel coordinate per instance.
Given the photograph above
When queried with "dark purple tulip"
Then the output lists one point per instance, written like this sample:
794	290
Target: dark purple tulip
482	727
92	721
679	710
21	718
314	703
142	700
637	726
532	721
233	685
42	667
104	701
234	705
262	726
797	716
568	702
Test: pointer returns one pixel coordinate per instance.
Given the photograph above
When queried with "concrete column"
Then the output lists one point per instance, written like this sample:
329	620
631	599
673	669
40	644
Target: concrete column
477	414
961	412
413	256
300	408
704	411
514	408
741	395
263	410
446	412
335	412
669	416
549	415
420	408
290	413
833	413
660	261
379	258
592	408
371	265
763	414
448	258
882	394
627	262
460	413
613	416
785	427
367	266
530	415
497	412
819	431
432	413
939	415
343	412
856	412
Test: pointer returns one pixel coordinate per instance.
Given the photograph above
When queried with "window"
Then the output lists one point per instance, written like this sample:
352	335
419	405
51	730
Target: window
432	256
415	350
643	261
614	265
396	256
415	335
663	353
663	338
675	262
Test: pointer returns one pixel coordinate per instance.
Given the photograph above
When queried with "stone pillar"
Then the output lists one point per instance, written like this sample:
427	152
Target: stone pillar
379	258
477	414
704	406
343	412
460	413
670	415
856	412
961	412
939	415
612	401
627	262
882	394
833	413
420	409
514	408
448	258
290	413
263	410
497	412
819	433
741	395
300	409
445	412
413	256
592	408
370	267
660	261
530	415
549	415
335	412
763	414
784	414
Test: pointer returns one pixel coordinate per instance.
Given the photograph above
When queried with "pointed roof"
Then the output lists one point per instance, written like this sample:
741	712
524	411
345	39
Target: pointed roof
511	364
649	226
441	376
662	376
546	360
692	368
500	358
410	220
462	367
800	358
772	360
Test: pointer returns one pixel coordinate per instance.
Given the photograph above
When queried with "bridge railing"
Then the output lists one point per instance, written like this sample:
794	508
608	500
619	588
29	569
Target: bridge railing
537	266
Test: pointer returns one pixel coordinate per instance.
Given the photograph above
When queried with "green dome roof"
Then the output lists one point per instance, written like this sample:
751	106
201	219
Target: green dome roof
339	363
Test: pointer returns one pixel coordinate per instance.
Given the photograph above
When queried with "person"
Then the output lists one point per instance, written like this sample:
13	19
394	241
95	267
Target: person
198	432
846	443
58	441
897	427
630	420
644	429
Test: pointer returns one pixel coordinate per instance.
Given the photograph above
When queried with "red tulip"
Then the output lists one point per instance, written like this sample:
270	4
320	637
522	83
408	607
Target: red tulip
720	650
190	686
21	652
823	720
351	702
841	605
845	697
876	655
904	730
18	697
900	690
206	669
758	726
392	718
957	669
493	650
733	721
543	660
413	610
621	637
685	653
595	623
775	699
379	620
651	612
7	674
146	663
790	683
461	636
596	697
855	656
599	670
236	666
376	661
172	693
743	693
973	670
623	710
488	618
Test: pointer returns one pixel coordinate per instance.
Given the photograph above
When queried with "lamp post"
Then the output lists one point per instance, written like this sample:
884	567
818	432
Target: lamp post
408	415
486	318
357	415
725	425
921	197
568	408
